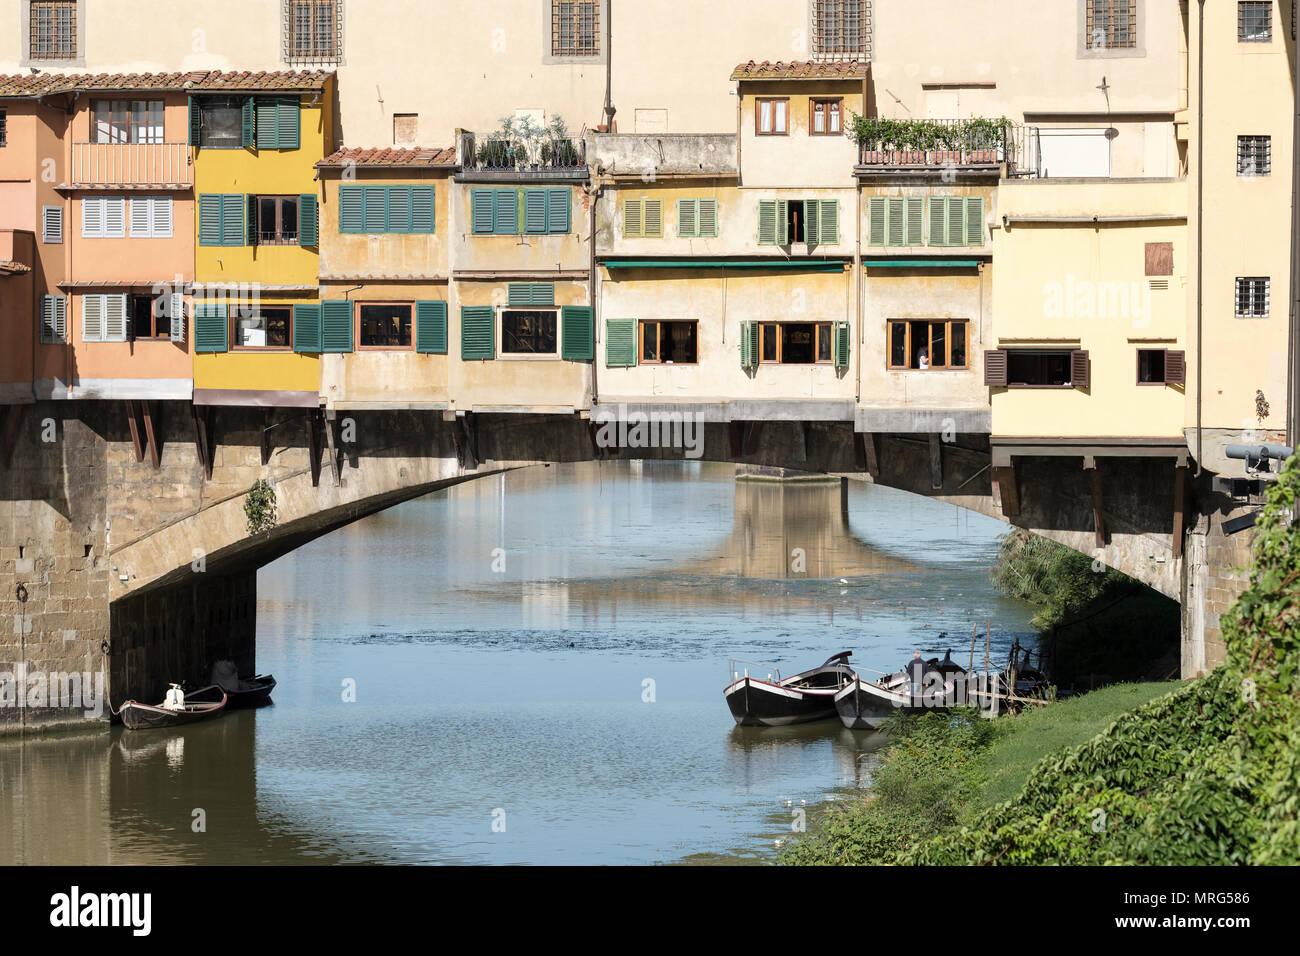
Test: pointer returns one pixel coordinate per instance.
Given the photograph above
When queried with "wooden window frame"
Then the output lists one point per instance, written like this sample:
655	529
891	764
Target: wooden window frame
820	327
387	303
1064	385
233	317
834	43
1111	11
157	321
813	103
659	338
758	116
578	45
4	125
51	46
131	124
503	353
908	351
278	239
312	49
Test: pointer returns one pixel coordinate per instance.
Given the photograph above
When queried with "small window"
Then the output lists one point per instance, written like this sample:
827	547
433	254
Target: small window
795	343
669	343
277	220
1151	367
149	317
52	225
575	28
1111	24
1255	21
772	117
312	31
3	127
796	221
1040	367
221	123
842	28
1254	155
386	325
1252	298
825	118
269	328
127	121
529	333
406	129
53	30
923	344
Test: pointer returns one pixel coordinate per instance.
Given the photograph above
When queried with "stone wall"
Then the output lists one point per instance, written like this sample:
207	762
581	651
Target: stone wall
1214	576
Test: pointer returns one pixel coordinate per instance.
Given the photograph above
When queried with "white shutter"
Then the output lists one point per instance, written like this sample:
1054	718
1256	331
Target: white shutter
52	225
115	218
54	320
92	318
115	318
162	217
60	317
141	218
177	306
92	217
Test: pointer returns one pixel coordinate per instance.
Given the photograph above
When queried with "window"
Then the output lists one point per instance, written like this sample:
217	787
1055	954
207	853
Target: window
104	317
379	209
785	221
824	118
1039	367
842	28
529	333
278	122
54	320
53	30
313	31
1252	298
277	220
149	317
222	220
1161	367
221	122
151	217
511	212
103	217
1111	24
1255	21
3	127
406	129
386	325
795	343
52	225
921	344
1254	155
643	218
772	117
669	343
268	328
957	221
697	218
575	28
127	121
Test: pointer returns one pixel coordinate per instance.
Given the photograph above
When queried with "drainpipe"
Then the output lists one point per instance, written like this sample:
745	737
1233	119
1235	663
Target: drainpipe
593	286
859	291
609	67
1200	225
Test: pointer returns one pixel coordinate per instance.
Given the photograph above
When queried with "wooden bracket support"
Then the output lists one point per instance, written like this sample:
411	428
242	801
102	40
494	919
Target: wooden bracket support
133	421
333	450
313	448
13	416
1180	507
1005	491
735	433
203	430
755	433
1098	516
153	433
865	453
936	463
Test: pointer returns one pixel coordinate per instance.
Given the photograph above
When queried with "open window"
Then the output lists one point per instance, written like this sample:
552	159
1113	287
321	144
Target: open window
385	325
270	327
531	332
1037	368
149	317
924	344
669	343
221	122
277	220
796	343
1161	367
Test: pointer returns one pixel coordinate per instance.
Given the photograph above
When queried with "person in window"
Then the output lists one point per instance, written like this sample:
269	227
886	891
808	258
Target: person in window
923	358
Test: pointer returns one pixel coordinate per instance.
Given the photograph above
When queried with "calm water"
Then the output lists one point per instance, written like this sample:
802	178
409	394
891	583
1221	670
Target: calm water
546	651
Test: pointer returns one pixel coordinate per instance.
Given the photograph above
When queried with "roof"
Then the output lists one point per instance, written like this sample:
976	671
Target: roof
214	81
418	158
800	70
9	267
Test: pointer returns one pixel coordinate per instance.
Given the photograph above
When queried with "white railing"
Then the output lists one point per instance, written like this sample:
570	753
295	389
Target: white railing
135	164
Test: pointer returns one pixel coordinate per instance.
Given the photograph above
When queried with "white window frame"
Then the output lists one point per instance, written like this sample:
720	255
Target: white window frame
151	217
52	225
1236	297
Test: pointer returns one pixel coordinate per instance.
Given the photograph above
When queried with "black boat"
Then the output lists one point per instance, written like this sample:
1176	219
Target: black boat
240	693
864	705
199	705
777	702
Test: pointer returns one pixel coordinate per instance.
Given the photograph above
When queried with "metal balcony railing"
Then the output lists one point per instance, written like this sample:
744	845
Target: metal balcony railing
957	143
550	155
131	165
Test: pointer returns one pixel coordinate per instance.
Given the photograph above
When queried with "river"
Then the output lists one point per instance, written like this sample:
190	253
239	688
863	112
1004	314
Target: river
528	668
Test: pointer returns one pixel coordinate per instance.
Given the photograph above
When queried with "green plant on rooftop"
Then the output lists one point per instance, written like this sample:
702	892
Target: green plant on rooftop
874	132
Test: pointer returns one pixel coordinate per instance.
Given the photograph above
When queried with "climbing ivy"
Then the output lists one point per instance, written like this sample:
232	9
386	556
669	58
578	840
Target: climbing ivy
259	507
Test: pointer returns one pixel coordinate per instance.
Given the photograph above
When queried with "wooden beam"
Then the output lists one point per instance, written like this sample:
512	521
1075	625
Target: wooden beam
333	452
865	443
13	416
313	449
1098	517
936	463
755	433
203	437
1005	492
735	433
1180	508
131	419
155	449
268	422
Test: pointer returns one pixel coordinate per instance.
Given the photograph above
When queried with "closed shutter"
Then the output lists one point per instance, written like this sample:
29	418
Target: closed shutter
876	221
92	318
505	218
995	368
654	218
233	227
92	217
375	211
267	133
975	221
279	122
812	222
897	224
431	327
956	235
176	316
530	293
840	345
352	210
1175	367
783	222
248	123
306	328
578	333
399	208
52	225
308	225
477	332
482	211
54	320
829	221
620	343
422	214
1080	369
253	221
767	232
915	213
558	202
209	220
708	218
633	218
749	344
161	210
141	218
336	326
196	122
210	331
535	218
115	317
938	221
688	221
115	218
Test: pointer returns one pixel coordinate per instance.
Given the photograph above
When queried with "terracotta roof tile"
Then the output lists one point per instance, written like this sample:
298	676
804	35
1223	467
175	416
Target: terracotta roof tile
800	70
8	267
42	84
390	157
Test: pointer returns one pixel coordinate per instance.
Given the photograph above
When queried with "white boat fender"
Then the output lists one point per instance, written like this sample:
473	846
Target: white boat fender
175	698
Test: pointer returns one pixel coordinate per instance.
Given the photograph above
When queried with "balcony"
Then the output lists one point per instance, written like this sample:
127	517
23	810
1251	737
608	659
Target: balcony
933	145
131	166
517	159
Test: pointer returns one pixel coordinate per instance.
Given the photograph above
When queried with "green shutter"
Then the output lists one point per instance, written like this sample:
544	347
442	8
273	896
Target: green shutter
812	222
530	293
478	332
707	218
483	211
422	215
431	327
633	218
248	123
399	208
830	221
306	328
938	221
535	208
505	217
749	344
209	219
251	210
840	344
196	122
266	133
688	219
896	221
221	220
956	223
783	222
336	326
308	227
620	343
351	209
578	333
210	327
558	203
767	232
975	221
375	209
654	218
288	123
876	221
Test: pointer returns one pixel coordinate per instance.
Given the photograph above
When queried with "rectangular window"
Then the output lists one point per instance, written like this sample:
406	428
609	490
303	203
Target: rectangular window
1111	24
529	333
841	28
922	344
103	217
313	31
772	117
1039	367
1252	298
104	318
221	122
824	118
1255	21
52	225
150	318
510	212
669	343
223	219
697	218
796	343
782	222
575	28
1254	155
151	217
385	325
1161	367
54	320
127	121
277	220
269	328
386	209
957	221
643	218
3	127
53	30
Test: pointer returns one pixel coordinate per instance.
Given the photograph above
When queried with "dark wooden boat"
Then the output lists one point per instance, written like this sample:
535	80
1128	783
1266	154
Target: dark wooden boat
864	705
254	692
777	702
199	705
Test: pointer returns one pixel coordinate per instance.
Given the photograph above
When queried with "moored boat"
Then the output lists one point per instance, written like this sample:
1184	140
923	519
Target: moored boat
176	711
778	702
240	692
864	704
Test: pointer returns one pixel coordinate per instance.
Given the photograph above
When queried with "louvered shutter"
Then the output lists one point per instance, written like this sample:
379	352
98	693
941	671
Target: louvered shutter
897	221
578	333
210	330
161	213
654	218
92	318
688	223
876	221
505	220
210	220
558	202
938	221
995	368
115	218
352	210
196	122
306	328
1080	369
248	123
141	218
915	212
1175	367
431	327
633	218
530	293
52	225
620	343
253	220
707	218
749	344
535	212
267	131
308	224
483	211
975	221
375	208
783	222
399	208
115	317
54	320
92	218
767	233
422	214
840	344
288	121
956	235
336	326
812	222
829	221
233	227
477	332
176	316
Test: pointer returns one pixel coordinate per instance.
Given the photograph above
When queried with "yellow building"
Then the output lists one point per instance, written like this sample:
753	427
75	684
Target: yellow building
258	328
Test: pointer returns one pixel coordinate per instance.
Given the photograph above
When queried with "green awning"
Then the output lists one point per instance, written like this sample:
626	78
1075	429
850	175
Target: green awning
920	263
798	265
